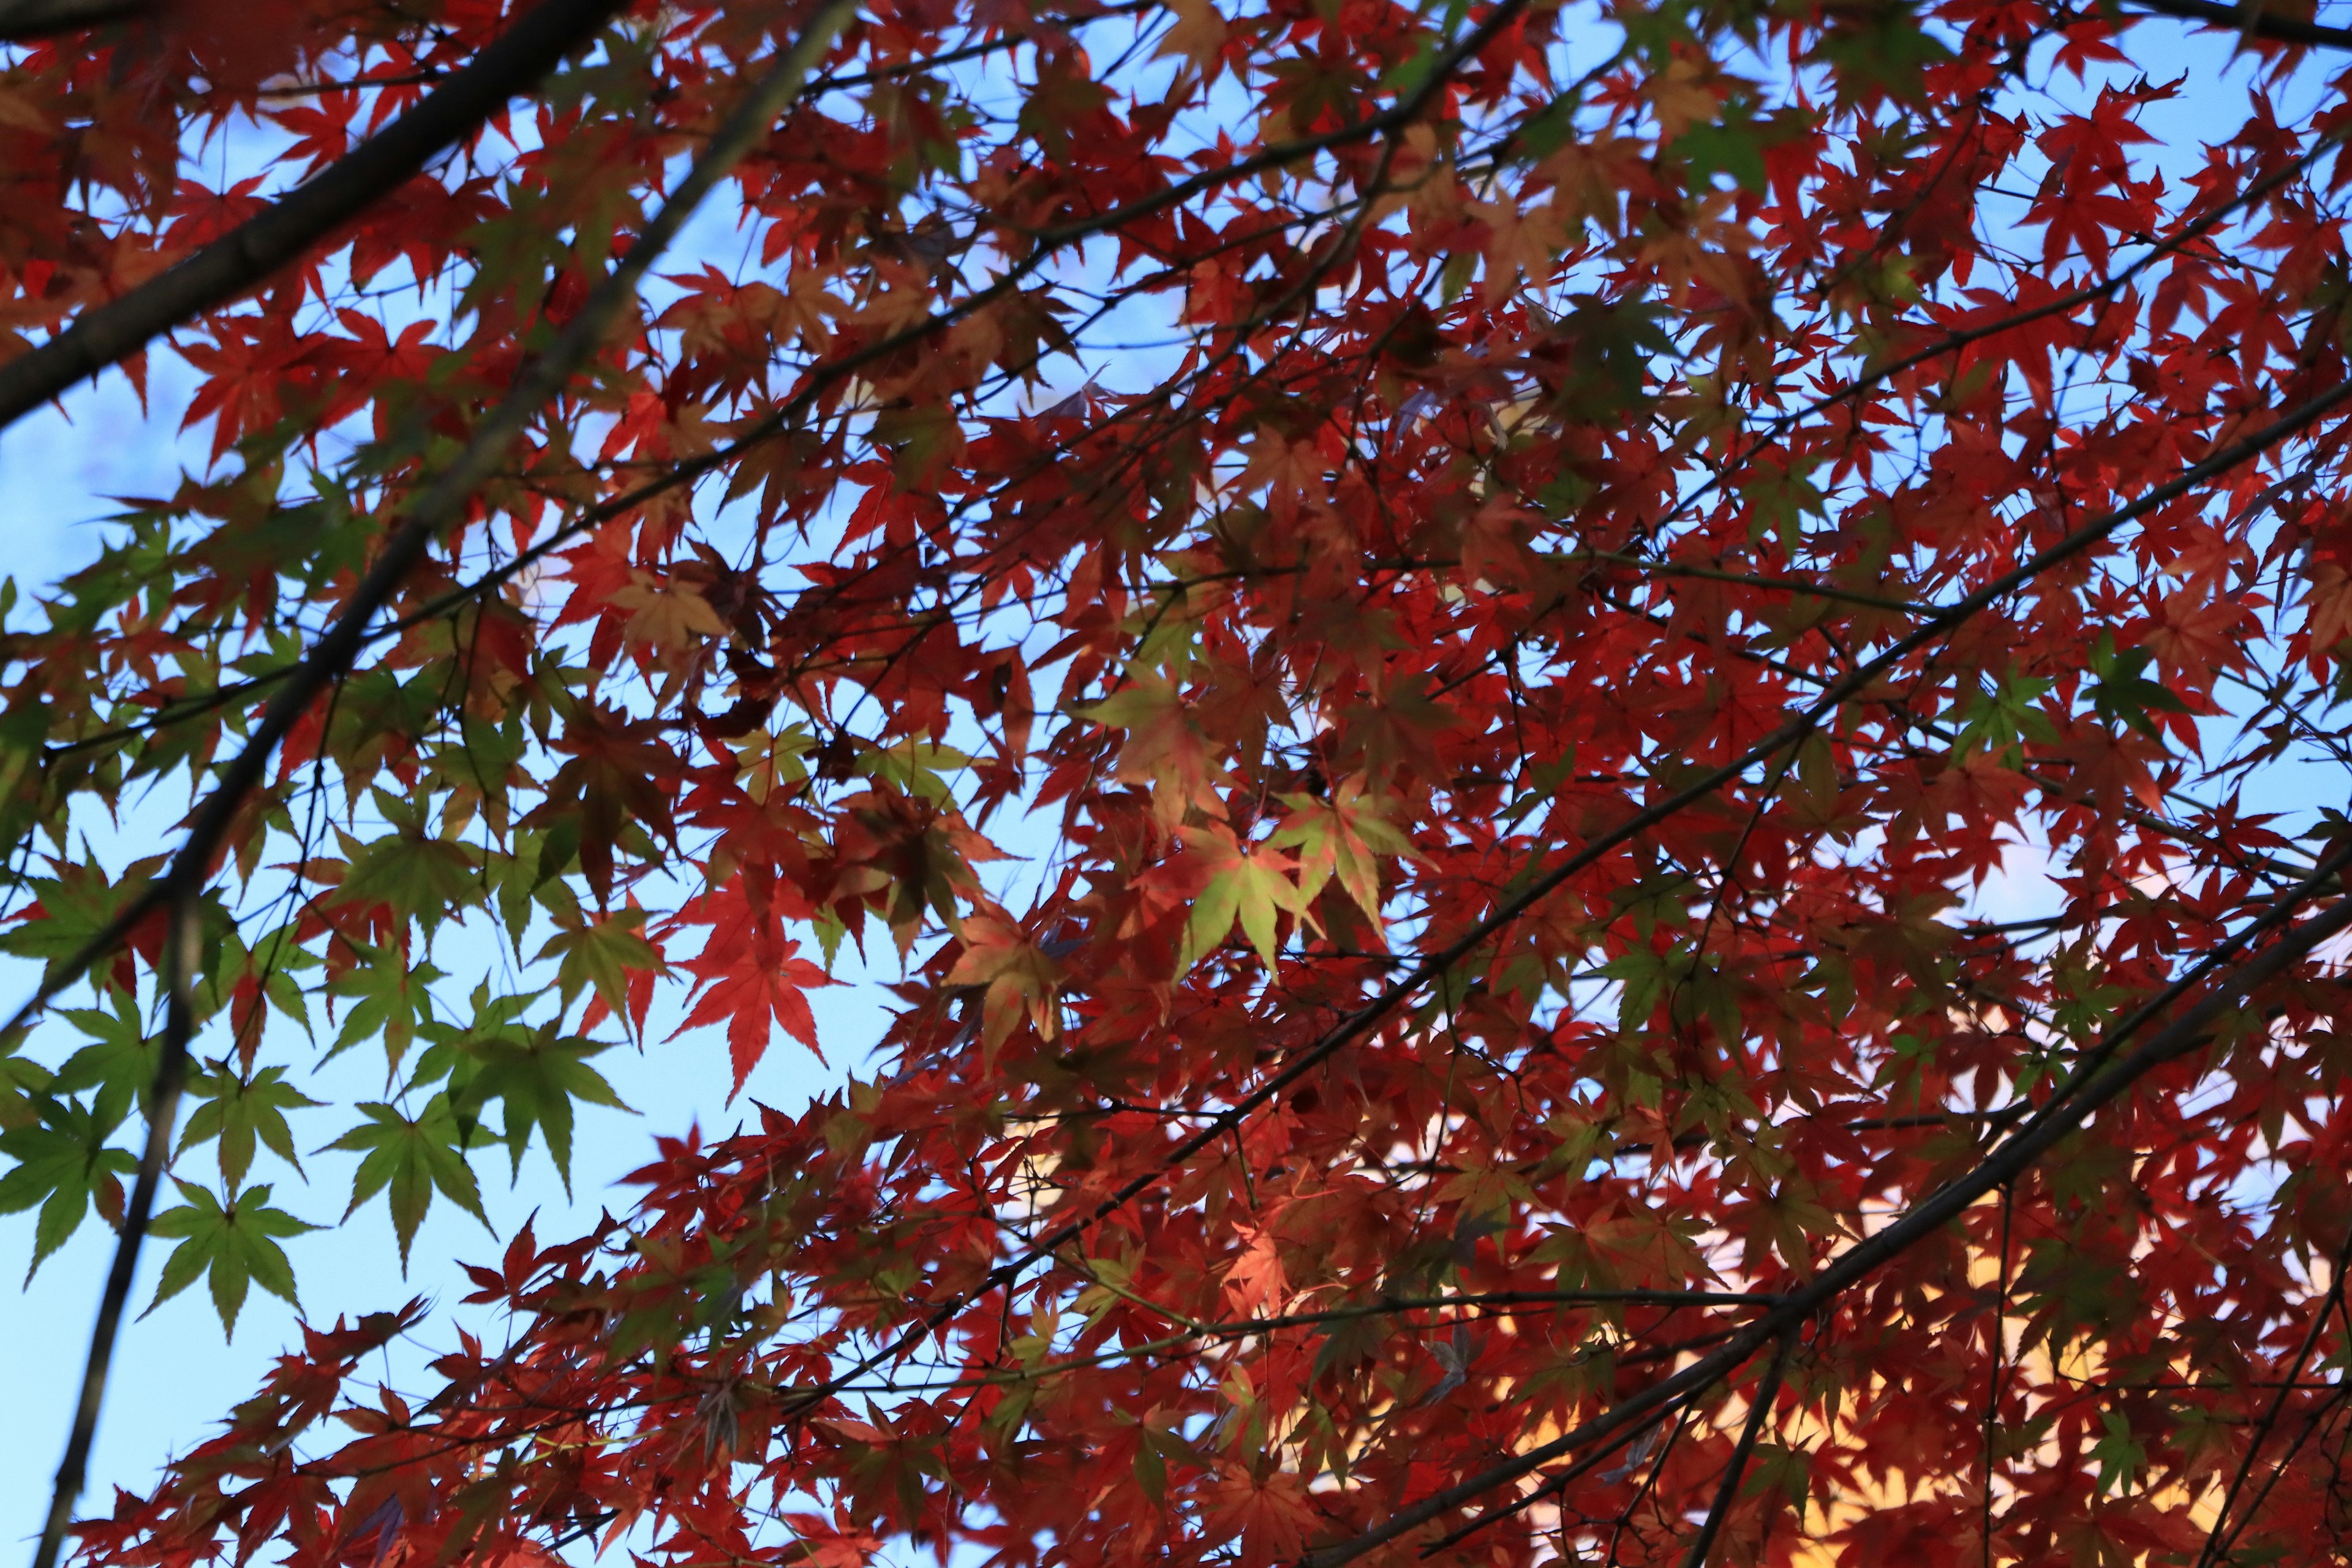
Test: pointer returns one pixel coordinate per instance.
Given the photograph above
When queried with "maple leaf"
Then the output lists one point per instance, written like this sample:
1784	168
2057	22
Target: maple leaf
1016	976
667	617
242	1113
411	1156
612	785
62	1162
1341	836
390	998
752	1003
1165	747
1252	885
1271	1514
533	1074
2124	694
69	911
1199	37
1680	96
415	874
121	1062
233	1244
608	954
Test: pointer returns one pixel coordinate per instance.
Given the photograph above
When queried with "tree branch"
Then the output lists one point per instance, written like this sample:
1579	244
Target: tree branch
1759	1408
2190	1030
23	21
441	503
184	952
2250	20
2225	1535
248	254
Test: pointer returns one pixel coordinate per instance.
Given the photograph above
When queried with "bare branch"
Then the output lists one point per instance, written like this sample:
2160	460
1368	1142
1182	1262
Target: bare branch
22	21
248	254
1760	1407
184	953
2250	20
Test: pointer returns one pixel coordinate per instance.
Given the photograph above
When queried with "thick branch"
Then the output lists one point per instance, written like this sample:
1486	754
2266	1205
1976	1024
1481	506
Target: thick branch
440	503
2250	20
250	253
21	21
2005	1164
1760	1409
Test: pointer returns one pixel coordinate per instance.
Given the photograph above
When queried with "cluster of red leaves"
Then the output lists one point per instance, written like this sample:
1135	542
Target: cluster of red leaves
1637	514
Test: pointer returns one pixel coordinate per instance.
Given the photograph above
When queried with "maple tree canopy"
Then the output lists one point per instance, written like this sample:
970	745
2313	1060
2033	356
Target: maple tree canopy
1516	572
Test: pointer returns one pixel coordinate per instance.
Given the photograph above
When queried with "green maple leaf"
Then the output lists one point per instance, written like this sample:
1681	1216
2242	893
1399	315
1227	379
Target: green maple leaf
2121	1457
534	1076
602	953
121	1062
412	1156
21	1080
1732	147
75	906
241	1112
418	875
62	1160
236	1244
2123	693
389	998
1885	48
2003	718
1782	1469
1642	976
1254	887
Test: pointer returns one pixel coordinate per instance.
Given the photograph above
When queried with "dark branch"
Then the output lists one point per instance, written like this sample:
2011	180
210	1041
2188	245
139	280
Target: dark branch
439	504
2250	20
2191	1029
246	257
184	954
1760	1407
22	21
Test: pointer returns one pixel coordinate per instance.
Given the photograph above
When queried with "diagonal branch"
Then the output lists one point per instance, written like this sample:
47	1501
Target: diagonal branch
183	951
441	503
2191	1029
1760	1407
248	254
2250	20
